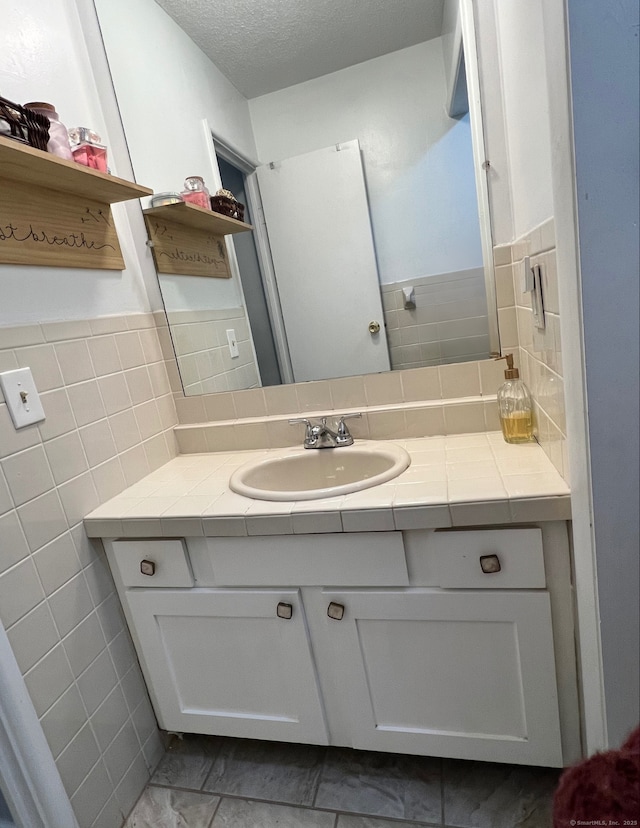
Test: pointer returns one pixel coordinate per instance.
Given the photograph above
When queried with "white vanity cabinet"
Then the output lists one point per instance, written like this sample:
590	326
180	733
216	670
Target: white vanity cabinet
383	641
440	673
224	661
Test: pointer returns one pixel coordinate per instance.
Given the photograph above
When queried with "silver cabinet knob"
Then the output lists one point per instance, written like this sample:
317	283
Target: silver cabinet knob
147	567
335	611
490	564
284	611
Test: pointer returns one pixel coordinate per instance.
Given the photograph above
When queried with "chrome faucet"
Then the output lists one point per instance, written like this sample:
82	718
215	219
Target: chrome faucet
320	436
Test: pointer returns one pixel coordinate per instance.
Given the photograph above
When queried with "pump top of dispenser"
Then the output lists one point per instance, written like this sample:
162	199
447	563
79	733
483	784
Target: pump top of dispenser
510	373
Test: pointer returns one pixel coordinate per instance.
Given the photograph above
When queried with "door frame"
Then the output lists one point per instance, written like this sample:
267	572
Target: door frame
219	146
31	783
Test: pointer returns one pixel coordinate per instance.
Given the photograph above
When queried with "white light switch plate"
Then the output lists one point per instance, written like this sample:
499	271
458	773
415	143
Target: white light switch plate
233	344
21	396
527	275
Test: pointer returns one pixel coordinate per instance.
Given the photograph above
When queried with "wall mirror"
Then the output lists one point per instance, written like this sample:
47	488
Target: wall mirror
352	133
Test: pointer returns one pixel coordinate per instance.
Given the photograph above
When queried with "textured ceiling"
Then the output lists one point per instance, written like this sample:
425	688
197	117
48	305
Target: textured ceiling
264	45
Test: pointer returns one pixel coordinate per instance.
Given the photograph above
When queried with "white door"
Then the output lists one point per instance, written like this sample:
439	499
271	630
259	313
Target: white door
317	218
223	662
461	674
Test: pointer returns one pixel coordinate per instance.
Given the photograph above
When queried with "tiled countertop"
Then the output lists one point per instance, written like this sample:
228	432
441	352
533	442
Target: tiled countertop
459	480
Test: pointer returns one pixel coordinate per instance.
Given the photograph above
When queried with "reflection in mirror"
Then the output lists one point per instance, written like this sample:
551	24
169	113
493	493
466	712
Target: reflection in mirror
356	163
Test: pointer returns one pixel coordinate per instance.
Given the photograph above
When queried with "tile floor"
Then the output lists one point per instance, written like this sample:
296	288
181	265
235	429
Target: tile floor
212	782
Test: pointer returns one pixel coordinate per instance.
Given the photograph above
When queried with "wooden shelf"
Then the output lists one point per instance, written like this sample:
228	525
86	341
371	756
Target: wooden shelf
198	218
36	168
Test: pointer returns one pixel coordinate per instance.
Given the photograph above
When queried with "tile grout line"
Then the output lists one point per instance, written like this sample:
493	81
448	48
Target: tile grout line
300	806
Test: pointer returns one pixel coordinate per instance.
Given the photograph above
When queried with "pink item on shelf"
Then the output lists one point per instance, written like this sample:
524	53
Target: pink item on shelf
87	149
195	192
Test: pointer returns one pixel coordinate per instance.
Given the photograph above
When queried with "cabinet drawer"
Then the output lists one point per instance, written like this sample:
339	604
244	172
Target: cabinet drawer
516	554
349	559
166	560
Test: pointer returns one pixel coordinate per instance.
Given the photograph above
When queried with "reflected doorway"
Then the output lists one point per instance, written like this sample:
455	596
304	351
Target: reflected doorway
234	179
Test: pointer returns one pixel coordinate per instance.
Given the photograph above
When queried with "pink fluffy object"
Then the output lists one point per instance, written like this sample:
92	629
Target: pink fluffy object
601	790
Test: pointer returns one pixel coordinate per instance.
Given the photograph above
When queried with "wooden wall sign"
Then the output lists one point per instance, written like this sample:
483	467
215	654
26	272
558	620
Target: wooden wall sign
56	213
50	229
179	249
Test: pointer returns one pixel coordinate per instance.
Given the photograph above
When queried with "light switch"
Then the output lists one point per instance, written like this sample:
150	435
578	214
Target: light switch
21	396
233	344
537	299
527	275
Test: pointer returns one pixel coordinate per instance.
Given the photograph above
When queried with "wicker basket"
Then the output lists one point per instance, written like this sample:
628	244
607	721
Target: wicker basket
227	207
21	124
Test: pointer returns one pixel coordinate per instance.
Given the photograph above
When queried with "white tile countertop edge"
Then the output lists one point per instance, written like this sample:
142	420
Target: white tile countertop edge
457	480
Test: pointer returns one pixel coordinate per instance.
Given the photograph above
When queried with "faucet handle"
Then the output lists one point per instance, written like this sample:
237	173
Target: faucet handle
308	431
344	437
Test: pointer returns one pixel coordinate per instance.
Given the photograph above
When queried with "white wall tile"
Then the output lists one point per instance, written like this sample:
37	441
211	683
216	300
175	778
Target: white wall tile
57	563
6	501
84	644
97	681
98	442
59	416
49	679
63	720
78	498
86	402
75	361
27	474
109	718
13	544
66	457
33	636
42	361
92	795
71	604
129	349
20	591
12	440
121	752
76	760
115	393
139	384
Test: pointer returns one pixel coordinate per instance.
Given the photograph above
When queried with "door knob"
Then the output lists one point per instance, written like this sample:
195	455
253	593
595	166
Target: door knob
374	327
335	611
284	611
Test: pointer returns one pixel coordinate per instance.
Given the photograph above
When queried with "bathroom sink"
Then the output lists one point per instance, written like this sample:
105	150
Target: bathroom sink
309	474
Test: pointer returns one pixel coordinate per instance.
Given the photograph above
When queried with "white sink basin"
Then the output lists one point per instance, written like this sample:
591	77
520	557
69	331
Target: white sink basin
310	474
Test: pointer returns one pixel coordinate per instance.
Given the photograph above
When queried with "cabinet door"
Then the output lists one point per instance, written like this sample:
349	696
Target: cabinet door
461	674
223	662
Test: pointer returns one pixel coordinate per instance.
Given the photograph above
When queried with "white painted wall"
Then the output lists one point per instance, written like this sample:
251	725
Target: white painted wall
43	56
418	161
520	33
166	88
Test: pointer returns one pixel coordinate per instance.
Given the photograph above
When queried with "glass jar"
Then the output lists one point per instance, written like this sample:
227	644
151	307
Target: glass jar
163	199
87	149
58	135
195	192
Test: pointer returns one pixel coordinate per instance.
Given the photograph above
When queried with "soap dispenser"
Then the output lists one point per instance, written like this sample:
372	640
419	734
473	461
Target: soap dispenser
514	406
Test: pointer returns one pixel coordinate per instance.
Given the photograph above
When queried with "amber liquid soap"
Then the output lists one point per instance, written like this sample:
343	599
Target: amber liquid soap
517	427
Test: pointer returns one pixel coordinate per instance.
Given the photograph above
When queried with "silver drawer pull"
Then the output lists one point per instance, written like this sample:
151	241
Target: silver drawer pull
147	567
335	611
490	564
284	611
